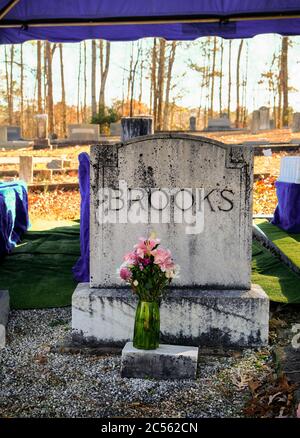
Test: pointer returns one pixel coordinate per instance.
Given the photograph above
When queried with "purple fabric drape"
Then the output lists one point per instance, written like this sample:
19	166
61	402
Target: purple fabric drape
287	212
81	270
27	15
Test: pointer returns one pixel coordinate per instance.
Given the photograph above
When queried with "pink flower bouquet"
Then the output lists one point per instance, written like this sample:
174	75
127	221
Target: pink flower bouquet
148	269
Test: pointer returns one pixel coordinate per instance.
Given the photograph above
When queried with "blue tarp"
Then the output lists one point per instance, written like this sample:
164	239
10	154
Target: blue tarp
57	20
287	213
14	220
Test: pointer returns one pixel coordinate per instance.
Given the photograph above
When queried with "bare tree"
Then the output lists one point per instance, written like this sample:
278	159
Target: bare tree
104	67
168	84
284	80
213	73
39	76
238	62
229	78
221	77
133	74
63	92
85	82
93	79
21	87
153	94
49	55
141	79
160	82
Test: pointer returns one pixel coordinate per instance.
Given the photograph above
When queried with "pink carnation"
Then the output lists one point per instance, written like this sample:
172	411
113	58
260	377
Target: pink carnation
125	274
131	258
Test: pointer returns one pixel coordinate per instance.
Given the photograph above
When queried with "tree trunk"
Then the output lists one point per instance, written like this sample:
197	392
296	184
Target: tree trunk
141	83
237	118
104	67
213	78
284	79
21	88
153	81
39	76
133	80
85	83
160	80
168	85
49	54
63	92
221	78
93	79
229	79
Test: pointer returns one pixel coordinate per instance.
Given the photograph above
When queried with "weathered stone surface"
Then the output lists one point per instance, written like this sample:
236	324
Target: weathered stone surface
136	126
232	318
4	311
218	254
166	362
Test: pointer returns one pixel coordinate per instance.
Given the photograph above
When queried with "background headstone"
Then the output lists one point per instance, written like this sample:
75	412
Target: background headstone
193	121
13	133
219	124
255	124
10	133
115	129
135	127
83	131
41	140
296	122
264	117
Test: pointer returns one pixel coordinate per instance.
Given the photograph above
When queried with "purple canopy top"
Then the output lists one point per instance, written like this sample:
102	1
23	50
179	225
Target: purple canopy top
127	20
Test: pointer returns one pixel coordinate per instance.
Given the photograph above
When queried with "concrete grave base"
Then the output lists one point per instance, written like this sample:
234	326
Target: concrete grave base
4	311
227	318
166	362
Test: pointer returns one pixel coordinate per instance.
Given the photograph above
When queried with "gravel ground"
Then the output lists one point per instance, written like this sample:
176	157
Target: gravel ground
35	382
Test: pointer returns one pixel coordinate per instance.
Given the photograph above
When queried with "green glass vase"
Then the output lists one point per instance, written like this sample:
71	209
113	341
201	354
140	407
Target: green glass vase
146	326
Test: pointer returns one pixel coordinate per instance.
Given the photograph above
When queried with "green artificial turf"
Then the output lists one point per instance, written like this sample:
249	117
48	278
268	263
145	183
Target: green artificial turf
288	243
38	272
279	282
